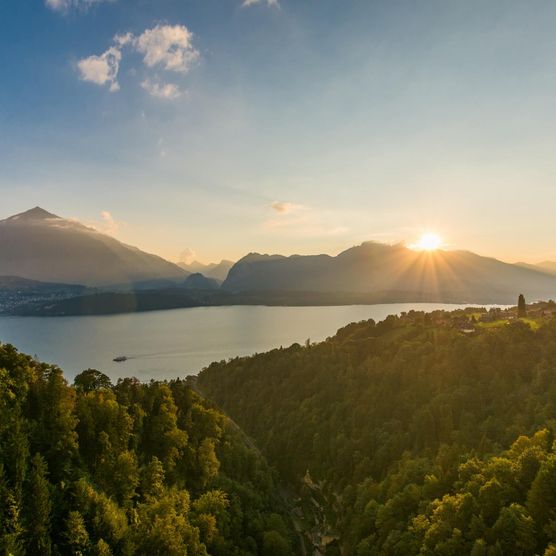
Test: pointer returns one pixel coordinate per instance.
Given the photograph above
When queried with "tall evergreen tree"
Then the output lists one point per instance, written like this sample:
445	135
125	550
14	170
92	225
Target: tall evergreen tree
11	530
521	307
153	478
39	509
76	533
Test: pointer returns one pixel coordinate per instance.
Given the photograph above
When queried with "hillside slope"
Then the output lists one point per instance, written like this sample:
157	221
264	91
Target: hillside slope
41	246
419	438
133	468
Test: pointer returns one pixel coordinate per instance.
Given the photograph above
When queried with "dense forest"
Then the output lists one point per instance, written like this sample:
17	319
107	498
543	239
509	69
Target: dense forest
428	434
131	468
423	434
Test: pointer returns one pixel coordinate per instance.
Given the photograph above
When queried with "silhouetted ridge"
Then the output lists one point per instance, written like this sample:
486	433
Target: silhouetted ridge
36	213
199	282
378	268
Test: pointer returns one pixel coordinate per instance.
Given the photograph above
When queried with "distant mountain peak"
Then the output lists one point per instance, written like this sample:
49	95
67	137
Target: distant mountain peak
36	213
39	245
369	248
219	271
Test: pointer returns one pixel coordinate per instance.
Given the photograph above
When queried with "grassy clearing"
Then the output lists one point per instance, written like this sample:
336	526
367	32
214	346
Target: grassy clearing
493	324
533	323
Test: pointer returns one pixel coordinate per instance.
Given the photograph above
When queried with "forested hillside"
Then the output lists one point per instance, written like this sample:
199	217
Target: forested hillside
421	434
151	469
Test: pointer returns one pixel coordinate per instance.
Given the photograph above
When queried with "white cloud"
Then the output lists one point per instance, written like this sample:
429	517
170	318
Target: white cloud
168	45
105	224
103	69
66	5
187	256
168	91
247	3
123	40
109	225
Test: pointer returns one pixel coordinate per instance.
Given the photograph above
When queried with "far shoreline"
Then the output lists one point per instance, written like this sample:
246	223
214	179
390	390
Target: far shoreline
148	301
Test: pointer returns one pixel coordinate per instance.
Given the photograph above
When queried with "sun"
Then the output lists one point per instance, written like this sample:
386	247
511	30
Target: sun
429	242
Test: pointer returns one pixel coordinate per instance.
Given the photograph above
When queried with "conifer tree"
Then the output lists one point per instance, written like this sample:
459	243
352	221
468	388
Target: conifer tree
39	508
153	478
521	307
76	533
10	527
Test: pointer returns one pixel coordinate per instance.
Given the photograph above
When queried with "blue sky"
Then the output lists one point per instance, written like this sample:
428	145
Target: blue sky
300	127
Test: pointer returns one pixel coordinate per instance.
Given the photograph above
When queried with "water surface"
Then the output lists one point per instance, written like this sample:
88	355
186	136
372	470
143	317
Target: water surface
177	343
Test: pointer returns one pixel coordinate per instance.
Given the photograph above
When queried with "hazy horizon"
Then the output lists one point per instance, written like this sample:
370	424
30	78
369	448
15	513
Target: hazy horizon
190	257
220	127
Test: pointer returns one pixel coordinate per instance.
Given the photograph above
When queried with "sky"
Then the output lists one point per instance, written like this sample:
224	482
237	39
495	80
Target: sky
208	129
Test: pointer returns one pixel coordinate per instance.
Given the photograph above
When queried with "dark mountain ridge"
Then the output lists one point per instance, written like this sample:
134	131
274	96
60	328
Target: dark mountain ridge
198	281
375	267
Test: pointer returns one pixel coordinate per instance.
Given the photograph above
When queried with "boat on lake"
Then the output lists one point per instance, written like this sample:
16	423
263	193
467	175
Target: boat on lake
120	359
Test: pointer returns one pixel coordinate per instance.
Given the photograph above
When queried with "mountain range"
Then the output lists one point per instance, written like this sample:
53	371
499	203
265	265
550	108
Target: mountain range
38	245
218	271
459	276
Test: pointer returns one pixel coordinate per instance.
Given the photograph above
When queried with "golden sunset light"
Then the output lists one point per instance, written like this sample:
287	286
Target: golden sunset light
428	242
277	278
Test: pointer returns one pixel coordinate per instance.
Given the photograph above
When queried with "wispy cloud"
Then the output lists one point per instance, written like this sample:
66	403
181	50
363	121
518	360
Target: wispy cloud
108	224
105	223
187	256
64	6
103	69
247	3
168	91
301	220
282	207
169	47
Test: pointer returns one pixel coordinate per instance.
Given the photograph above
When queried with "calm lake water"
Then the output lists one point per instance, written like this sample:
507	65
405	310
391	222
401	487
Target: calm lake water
170	344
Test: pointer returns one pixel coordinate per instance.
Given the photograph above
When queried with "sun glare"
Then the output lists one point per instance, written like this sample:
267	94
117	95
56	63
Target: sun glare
429	242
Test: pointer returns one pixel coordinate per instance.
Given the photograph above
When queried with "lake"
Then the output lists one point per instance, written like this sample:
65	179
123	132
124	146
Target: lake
177	343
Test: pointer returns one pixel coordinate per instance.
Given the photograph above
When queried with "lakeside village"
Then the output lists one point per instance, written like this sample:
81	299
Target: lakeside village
13	299
473	319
